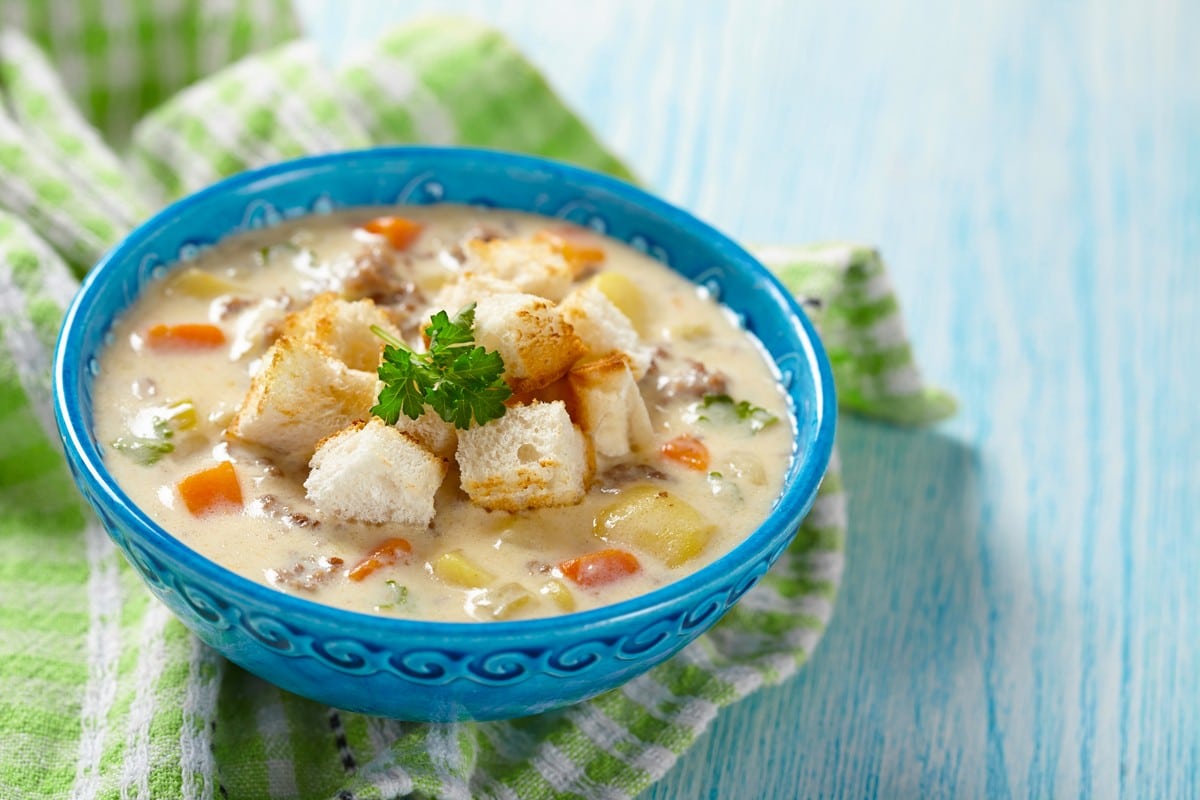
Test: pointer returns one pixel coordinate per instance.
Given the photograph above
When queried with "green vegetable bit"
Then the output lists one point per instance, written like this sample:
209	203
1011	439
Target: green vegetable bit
458	379
148	447
144	451
399	595
756	417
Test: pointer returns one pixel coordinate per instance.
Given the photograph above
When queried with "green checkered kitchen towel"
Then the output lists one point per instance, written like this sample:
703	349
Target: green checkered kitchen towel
102	692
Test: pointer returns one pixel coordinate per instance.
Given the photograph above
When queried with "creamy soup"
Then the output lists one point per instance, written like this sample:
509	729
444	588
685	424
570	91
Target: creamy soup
642	433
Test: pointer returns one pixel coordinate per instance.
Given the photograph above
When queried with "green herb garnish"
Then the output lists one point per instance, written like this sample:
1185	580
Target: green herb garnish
743	410
458	379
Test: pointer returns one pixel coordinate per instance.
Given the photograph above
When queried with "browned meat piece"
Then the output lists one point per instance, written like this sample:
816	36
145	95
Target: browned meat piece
307	574
229	306
483	233
270	505
612	479
694	381
536	567
374	272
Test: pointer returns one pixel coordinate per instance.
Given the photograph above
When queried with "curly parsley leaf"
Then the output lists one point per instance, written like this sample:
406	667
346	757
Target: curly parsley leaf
756	417
458	379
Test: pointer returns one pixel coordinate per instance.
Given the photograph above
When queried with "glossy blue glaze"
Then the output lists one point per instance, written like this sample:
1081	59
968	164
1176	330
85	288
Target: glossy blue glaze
405	668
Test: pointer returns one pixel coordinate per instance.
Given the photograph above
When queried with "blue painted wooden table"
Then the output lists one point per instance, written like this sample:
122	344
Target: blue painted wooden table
1019	612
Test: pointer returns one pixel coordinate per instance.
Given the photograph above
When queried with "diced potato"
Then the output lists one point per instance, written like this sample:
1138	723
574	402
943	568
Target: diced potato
202	284
559	594
181	415
624	294
747	466
504	601
691	331
455	568
654	521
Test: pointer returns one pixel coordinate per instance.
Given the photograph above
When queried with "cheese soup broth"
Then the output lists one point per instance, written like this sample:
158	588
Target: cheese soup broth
245	285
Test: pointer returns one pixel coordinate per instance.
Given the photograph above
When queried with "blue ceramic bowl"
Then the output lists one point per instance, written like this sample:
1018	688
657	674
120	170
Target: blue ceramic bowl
436	670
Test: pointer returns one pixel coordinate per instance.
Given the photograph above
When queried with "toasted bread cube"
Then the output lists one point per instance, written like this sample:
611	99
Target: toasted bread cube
532	457
536	343
470	287
603	329
610	408
534	265
371	472
299	396
342	329
431	431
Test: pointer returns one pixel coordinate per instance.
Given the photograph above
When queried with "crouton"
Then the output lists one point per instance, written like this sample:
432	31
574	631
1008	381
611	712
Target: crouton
610	408
534	265
342	329
604	329
470	287
299	396
371	472
532	457
431	431
536	343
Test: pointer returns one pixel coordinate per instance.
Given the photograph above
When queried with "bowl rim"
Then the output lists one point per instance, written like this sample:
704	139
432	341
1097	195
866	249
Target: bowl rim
789	505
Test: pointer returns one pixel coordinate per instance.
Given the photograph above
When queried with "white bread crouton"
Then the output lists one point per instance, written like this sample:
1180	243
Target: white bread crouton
610	408
532	457
536	343
299	396
535	265
604	329
431	431
470	287
372	472
342	329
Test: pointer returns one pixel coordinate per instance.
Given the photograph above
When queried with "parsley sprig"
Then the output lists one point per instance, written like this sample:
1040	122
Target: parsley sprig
458	379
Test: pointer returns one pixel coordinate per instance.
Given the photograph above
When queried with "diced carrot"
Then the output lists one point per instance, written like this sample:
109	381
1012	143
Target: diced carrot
388	552
399	231
600	568
188	336
688	451
575	246
211	489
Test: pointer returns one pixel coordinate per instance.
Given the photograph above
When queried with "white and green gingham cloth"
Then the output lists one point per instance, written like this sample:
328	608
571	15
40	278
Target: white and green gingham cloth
102	692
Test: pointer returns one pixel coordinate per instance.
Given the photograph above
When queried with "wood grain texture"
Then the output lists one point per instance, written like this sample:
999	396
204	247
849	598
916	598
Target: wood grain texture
1019	615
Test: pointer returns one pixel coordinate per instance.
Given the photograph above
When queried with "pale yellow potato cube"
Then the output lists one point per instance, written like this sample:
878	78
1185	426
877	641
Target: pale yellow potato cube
559	594
202	284
624	294
455	568
654	521
505	601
